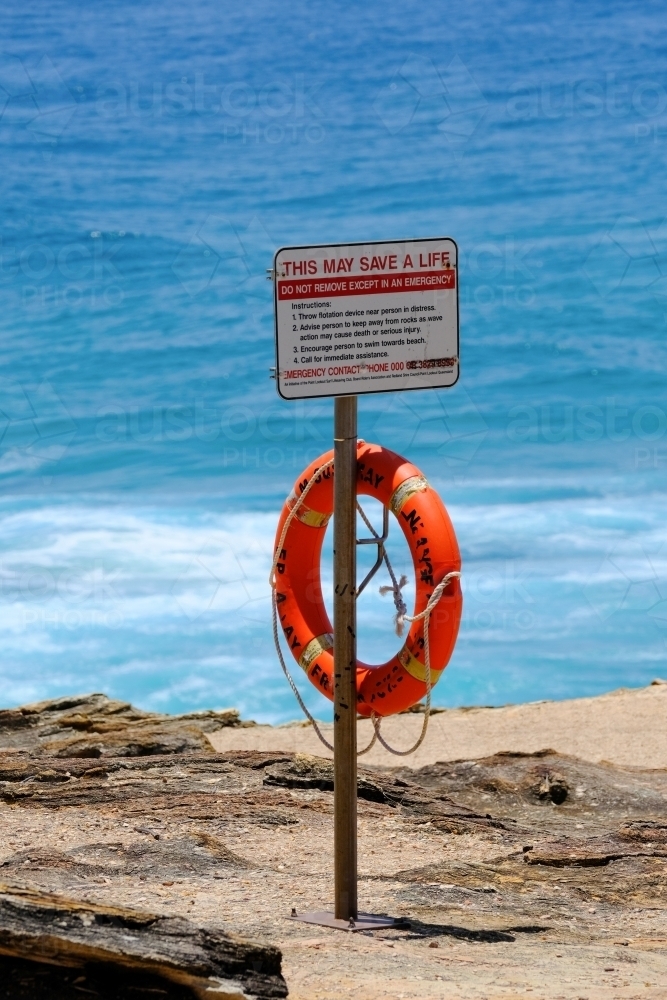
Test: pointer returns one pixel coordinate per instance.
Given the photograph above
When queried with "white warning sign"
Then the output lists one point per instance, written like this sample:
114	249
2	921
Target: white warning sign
366	317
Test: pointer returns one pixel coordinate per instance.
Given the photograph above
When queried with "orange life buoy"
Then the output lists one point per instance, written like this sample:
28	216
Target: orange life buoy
401	682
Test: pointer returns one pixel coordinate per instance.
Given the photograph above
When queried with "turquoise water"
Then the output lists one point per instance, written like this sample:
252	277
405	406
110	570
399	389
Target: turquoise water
154	159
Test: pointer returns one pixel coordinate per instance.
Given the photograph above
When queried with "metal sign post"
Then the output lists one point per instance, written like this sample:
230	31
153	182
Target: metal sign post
359	318
345	657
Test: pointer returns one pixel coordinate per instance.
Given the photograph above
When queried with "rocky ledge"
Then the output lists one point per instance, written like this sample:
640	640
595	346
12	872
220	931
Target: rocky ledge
136	861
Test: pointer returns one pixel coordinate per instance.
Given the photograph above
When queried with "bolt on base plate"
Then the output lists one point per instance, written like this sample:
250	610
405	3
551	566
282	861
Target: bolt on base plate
363	922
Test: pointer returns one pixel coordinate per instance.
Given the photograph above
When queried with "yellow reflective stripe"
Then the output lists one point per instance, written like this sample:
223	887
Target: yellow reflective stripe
313	518
318	645
407	489
415	668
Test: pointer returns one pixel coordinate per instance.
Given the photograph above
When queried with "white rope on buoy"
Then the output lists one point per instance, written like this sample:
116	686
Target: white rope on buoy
426	616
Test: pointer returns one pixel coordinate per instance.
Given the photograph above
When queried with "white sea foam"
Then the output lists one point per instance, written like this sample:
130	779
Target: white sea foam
174	610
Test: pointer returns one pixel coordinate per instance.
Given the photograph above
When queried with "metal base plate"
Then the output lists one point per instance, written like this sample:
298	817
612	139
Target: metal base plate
363	922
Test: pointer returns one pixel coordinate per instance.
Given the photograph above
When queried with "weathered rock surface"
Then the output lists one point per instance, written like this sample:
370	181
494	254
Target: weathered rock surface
125	951
518	872
95	726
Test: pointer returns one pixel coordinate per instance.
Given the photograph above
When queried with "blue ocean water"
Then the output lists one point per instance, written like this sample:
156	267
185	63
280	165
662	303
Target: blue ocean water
154	157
